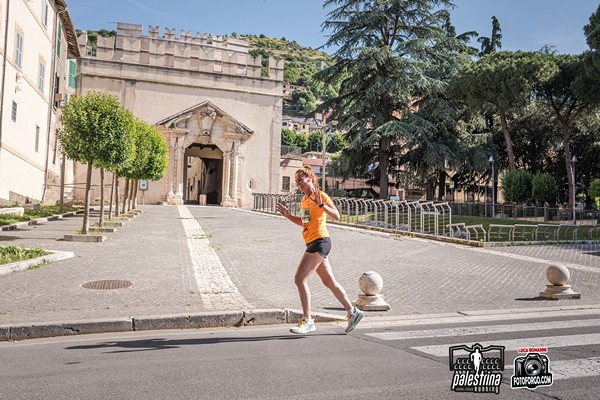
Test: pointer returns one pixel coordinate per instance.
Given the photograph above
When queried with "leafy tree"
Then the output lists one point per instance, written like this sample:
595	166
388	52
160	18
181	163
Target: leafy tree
151	155
315	141
559	93
301	141
594	191
304	102
337	142
500	83
288	137
390	52
544	188
493	43
516	186
97	130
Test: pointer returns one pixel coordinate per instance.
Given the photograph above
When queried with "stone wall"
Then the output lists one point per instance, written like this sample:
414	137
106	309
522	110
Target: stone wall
205	53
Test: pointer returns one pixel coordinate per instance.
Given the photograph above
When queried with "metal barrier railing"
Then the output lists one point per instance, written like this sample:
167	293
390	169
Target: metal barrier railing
430	217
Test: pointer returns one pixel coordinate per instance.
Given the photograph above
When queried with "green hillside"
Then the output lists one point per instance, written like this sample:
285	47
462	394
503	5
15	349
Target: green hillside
301	63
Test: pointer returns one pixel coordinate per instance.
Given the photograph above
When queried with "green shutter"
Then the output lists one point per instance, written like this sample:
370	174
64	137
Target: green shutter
72	73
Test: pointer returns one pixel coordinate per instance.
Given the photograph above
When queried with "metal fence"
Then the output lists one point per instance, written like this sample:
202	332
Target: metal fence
511	223
557	215
419	216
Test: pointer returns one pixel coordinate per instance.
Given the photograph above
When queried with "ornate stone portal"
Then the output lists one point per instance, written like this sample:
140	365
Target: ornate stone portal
207	133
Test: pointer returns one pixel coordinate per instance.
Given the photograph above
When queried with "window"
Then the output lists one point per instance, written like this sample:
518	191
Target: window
19	50
72	73
42	76
45	8
13	115
58	37
37	138
285	185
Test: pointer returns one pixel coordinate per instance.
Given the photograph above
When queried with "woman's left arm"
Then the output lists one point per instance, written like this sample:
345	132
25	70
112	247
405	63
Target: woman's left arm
332	211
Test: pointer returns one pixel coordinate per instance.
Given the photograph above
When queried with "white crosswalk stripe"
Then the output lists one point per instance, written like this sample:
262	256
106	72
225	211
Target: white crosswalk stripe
458	335
552	342
483	330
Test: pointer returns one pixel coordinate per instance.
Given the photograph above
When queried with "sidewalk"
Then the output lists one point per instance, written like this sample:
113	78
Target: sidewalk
193	266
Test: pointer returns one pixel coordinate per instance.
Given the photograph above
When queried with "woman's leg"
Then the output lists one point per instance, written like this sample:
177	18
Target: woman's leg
326	275
308	263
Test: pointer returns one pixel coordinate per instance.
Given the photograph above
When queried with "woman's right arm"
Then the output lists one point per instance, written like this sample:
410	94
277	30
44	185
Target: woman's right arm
283	210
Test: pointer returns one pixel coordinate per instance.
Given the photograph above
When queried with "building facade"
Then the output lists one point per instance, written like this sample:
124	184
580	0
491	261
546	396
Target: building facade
38	49
218	112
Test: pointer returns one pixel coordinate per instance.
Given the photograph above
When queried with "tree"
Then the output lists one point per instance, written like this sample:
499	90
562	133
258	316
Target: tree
516	186
288	137
502	82
97	130
559	92
390	52
594	191
151	155
544	188
491	44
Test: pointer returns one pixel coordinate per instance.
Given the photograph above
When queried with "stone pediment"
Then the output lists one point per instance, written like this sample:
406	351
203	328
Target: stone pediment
203	117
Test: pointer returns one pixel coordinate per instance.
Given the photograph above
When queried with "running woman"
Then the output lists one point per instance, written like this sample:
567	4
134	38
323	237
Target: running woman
315	207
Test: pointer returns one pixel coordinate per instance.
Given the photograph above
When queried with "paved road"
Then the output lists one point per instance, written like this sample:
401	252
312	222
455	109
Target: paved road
395	358
191	259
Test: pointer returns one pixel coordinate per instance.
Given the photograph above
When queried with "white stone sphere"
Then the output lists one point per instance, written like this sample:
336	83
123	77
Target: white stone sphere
370	283
558	274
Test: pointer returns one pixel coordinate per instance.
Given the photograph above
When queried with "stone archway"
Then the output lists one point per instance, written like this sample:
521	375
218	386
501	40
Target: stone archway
207	133
203	174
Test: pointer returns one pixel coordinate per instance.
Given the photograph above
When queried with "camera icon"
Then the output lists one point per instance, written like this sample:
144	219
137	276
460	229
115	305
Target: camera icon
533	364
531	371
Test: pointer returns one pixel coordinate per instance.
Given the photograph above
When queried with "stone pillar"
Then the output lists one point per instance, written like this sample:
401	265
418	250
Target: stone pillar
234	178
179	176
172	176
226	176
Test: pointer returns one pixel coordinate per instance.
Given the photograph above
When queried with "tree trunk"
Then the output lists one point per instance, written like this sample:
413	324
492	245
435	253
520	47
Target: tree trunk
112	197
384	145
509	147
101	221
125	194
135	193
442	185
117	194
131	194
86	210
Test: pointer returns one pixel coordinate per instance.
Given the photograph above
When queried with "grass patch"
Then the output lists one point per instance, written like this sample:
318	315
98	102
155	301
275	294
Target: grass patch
11	254
486	221
202	236
28	215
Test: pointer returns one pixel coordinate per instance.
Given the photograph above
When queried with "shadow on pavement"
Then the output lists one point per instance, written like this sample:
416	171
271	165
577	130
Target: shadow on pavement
537	298
162	344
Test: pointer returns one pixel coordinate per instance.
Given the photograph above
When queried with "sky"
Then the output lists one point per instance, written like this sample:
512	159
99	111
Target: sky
526	24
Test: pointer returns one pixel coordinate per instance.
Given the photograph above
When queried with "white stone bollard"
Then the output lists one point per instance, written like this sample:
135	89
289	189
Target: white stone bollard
370	284
558	276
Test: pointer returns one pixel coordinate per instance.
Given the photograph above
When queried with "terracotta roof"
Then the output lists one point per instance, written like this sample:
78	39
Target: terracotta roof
73	46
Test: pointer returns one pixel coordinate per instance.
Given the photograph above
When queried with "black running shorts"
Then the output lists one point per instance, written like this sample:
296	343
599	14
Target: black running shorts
321	246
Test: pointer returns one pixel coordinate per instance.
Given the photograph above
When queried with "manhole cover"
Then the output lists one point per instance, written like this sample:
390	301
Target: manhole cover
107	285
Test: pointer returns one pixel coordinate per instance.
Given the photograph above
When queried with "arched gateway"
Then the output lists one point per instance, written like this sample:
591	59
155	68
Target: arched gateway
206	147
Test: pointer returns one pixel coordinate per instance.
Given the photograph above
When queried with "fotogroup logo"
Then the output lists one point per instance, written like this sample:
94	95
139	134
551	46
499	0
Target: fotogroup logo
531	370
478	371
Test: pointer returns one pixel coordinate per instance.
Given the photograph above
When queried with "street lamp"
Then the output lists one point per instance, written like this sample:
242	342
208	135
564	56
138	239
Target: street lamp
573	161
491	160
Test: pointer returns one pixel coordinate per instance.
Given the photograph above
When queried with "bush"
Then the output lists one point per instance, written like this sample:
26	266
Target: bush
544	188
516	186
594	191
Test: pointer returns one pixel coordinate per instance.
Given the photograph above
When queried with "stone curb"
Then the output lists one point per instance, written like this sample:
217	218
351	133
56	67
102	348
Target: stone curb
36	221
210	319
21	265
